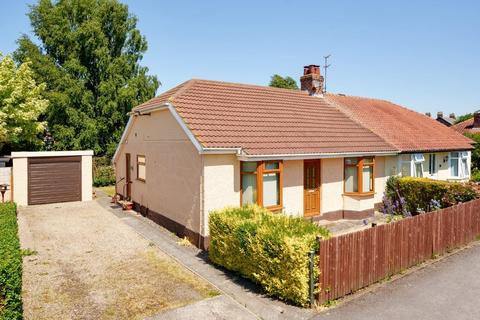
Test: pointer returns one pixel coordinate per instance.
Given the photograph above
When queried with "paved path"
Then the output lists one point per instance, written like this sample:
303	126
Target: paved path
448	289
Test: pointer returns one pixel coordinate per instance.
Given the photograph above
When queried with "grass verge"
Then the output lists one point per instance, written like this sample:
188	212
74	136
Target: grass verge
10	264
109	190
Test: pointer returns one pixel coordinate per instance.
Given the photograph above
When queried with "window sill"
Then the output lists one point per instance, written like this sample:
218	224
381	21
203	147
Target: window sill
359	194
274	208
141	180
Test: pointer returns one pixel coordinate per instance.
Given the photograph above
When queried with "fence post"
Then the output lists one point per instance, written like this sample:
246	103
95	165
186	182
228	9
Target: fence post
311	284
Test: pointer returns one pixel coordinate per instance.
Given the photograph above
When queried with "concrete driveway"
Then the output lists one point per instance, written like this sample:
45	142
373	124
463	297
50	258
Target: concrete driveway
448	289
87	264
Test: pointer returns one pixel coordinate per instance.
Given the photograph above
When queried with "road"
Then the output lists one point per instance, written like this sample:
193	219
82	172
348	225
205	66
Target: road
448	289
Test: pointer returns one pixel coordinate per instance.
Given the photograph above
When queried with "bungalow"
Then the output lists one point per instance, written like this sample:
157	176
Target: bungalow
205	145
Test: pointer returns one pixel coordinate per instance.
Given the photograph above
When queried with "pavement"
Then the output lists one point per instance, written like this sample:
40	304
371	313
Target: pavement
444	290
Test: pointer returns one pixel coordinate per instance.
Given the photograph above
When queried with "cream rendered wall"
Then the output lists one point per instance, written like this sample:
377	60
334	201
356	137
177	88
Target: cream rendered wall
221	184
293	187
381	177
331	185
20	181
173	168
87	178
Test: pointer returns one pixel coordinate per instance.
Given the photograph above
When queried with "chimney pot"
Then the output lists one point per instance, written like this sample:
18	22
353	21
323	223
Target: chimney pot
439	114
452	115
312	81
476	119
428	114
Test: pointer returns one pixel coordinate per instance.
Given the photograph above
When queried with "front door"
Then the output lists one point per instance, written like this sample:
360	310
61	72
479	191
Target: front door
128	178
311	187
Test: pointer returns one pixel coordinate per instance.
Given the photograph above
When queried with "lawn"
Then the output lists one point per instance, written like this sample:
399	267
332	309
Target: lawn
109	190
10	264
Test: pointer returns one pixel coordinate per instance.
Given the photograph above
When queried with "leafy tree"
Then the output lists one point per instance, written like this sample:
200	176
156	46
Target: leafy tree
475	152
88	56
287	82
21	104
464	117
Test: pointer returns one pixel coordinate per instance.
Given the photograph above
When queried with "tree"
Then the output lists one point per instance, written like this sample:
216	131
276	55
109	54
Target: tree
89	57
463	117
21	104
287	82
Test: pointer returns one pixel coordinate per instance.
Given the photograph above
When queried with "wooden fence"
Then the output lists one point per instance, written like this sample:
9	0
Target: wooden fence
353	261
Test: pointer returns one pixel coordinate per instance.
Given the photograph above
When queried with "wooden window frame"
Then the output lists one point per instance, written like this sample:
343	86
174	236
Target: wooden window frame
259	172
359	166
144	164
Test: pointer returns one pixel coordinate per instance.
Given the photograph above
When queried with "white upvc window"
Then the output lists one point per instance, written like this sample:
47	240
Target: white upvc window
411	165
459	165
432	164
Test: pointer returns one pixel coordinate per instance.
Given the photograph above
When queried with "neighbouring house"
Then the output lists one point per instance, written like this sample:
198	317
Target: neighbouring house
447	121
205	145
471	125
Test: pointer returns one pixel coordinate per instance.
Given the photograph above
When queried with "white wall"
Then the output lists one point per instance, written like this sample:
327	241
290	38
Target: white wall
6	178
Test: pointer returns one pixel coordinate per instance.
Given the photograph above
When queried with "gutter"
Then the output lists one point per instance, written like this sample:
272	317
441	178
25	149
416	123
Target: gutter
302	156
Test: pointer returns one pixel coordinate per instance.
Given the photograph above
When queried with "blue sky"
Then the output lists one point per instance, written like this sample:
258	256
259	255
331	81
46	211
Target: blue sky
422	54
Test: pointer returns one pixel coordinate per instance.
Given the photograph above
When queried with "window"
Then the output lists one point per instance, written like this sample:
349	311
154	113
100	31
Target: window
141	168
261	183
459	165
411	165
359	175
432	164
418	160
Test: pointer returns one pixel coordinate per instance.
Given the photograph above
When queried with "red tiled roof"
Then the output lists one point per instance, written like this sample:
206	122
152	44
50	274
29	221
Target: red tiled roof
407	130
466	127
266	121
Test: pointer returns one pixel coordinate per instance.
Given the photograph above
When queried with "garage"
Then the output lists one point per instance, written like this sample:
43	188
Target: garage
52	177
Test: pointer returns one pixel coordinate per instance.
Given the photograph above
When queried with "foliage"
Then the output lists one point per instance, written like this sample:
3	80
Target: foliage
21	104
463	117
475	175
287	82
88	56
10	264
103	172
270	249
476	151
424	195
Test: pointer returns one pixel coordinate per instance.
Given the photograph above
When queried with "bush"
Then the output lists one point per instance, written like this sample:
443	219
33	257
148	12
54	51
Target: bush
475	175
424	195
270	249
103	172
10	264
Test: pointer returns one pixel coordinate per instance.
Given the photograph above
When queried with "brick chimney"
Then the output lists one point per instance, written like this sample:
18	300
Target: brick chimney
312	80
452	115
439	114
476	119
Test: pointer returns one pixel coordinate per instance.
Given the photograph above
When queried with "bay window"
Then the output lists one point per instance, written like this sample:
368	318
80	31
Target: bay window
359	175
261	183
459	164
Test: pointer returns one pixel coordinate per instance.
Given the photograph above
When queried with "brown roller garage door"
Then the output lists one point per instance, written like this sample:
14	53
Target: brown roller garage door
54	179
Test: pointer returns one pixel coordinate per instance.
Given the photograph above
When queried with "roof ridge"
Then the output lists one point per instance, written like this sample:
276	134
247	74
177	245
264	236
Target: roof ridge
336	104
248	85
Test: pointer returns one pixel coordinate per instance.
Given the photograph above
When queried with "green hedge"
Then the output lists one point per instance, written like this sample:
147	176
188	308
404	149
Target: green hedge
103	172
422	194
10	264
270	249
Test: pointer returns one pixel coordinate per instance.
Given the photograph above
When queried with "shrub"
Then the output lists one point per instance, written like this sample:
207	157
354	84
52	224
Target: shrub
424	195
10	264
475	175
270	249
103	172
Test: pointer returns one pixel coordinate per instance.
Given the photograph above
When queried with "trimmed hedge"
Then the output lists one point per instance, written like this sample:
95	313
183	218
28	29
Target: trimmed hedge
269	249
422	194
10	264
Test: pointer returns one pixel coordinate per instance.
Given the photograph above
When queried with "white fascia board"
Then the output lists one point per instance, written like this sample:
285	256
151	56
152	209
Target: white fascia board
37	154
122	139
307	156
